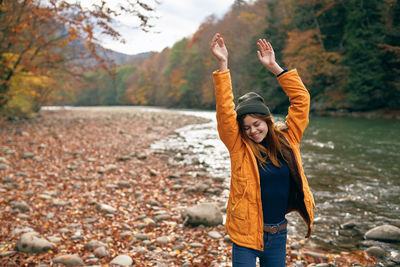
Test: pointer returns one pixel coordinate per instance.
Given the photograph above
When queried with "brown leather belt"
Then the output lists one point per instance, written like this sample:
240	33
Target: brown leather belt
274	229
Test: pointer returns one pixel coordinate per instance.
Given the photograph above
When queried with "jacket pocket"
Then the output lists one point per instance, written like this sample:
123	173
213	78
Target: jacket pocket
240	204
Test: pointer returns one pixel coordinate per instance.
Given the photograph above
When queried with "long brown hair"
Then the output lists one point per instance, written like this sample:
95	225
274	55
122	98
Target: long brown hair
274	140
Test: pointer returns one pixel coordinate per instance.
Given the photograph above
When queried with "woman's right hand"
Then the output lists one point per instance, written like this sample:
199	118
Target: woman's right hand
219	50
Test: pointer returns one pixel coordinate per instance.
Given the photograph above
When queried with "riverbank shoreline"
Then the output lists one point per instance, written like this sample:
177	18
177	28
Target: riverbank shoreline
91	175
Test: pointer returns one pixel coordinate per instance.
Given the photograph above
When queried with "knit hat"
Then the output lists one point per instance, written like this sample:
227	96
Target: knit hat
251	103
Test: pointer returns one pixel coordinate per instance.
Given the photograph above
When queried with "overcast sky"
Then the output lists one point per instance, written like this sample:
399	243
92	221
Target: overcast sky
177	19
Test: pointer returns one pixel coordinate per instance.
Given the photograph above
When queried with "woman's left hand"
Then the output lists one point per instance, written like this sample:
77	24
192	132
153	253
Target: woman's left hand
266	55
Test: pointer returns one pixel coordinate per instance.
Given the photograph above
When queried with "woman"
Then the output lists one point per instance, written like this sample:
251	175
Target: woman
267	177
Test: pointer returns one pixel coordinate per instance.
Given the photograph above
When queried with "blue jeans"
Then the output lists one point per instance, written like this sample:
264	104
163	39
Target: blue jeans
274	253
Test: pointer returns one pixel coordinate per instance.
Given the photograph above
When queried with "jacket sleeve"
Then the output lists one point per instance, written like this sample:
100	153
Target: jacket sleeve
228	128
297	118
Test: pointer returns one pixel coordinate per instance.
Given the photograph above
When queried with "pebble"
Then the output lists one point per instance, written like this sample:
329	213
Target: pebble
149	221
93	244
386	233
100	252
4	167
162	217
105	208
141	236
214	235
315	255
196	245
21	205
375	252
163	240
69	260
28	155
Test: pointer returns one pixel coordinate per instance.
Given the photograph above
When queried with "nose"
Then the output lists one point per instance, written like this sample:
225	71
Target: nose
252	130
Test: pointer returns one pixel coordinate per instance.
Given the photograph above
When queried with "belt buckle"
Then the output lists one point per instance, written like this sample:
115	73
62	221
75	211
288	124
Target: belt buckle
274	229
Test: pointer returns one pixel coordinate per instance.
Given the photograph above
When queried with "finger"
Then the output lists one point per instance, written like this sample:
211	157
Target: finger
260	46
269	46
259	55
221	41
264	44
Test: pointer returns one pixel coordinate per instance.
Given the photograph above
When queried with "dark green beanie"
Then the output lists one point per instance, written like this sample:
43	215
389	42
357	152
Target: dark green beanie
251	103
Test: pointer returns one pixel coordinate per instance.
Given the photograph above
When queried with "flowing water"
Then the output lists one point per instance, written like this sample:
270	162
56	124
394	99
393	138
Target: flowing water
353	168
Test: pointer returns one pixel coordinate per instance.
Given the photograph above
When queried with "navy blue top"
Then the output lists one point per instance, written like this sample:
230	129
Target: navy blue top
274	191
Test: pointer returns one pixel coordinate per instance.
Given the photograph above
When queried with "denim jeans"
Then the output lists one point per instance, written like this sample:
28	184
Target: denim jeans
274	253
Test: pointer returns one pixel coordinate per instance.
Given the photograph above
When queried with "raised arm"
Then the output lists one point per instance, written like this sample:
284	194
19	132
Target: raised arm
297	118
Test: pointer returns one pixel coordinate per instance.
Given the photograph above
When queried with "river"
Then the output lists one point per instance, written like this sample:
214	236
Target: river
352	166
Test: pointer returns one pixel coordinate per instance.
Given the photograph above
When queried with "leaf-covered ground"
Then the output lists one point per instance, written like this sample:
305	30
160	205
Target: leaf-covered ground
90	175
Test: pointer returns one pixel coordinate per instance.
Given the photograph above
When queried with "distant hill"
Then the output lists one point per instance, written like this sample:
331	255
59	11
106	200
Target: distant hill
120	58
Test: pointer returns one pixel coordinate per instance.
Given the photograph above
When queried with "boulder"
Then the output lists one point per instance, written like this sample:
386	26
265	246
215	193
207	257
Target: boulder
207	214
31	242
385	233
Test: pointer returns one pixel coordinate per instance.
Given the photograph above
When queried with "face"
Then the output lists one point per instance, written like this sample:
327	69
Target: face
256	129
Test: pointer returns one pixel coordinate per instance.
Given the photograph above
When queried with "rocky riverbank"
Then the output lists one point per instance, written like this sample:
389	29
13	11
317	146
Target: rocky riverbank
83	187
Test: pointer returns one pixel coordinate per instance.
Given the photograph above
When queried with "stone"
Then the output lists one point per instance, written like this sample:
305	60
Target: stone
93	244
4	167
207	214
163	240
31	242
316	255
28	155
196	245
385	233
375	252
123	260
214	235
18	231
162	217
141	236
227	239
69	260
149	221
100	252
105	208
22	205
125	184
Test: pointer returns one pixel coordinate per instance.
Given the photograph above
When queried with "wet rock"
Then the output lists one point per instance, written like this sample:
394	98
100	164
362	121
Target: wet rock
375	252
4	167
214	235
348	225
123	260
105	208
31	242
386	233
69	260
100	252
207	214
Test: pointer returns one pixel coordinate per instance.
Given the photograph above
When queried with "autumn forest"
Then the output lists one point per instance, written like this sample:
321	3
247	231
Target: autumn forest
347	53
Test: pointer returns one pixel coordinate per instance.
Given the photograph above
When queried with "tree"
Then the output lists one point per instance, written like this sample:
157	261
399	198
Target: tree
37	38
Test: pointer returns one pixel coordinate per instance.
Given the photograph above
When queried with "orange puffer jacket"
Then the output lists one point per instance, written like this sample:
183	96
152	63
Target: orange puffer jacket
244	222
